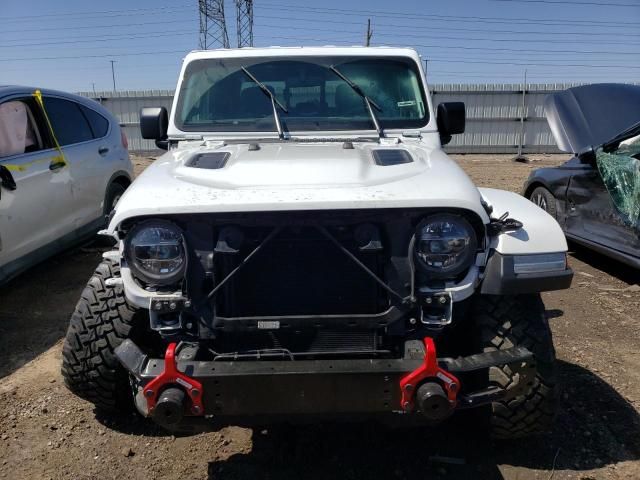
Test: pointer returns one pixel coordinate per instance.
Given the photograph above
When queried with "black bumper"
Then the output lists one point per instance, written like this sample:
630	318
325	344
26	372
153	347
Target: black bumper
266	388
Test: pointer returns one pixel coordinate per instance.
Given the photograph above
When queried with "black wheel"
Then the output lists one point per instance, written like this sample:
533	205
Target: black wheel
545	200
111	198
504	322
100	322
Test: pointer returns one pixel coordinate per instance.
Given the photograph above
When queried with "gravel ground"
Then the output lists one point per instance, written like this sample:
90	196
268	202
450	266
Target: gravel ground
45	432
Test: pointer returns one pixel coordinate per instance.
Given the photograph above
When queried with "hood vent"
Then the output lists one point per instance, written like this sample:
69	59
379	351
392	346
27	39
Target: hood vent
209	161
387	157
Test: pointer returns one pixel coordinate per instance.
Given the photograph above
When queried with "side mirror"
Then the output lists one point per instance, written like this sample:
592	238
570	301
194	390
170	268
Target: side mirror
451	120
154	122
587	156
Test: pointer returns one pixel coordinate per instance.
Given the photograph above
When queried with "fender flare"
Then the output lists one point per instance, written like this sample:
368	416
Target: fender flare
540	233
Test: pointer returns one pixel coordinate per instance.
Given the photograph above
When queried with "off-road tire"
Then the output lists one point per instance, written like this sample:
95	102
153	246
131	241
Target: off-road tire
504	322
100	322
544	199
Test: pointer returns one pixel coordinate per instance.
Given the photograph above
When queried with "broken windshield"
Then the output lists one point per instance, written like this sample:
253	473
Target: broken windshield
217	96
620	171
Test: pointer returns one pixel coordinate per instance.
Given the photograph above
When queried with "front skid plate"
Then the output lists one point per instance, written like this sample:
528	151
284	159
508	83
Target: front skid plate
245	388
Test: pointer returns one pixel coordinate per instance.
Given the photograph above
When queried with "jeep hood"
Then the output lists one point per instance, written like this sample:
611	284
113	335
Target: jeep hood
590	115
298	176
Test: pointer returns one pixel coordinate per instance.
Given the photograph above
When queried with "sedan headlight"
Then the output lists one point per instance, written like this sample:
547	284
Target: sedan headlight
156	252
445	245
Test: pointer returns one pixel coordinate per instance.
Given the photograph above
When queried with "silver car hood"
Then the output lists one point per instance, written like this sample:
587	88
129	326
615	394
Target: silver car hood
590	115
298	176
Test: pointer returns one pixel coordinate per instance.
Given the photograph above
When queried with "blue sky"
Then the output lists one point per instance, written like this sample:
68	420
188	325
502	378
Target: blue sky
68	45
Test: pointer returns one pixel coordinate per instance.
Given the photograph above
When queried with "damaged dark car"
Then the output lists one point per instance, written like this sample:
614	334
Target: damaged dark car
595	196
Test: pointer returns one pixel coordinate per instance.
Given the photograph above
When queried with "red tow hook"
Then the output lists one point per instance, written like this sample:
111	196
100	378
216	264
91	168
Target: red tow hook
171	376
430	379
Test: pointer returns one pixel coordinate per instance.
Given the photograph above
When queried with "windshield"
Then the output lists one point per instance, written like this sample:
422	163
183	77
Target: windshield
216	95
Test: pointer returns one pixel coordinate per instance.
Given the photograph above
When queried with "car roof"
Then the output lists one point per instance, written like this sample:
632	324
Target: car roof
248	52
6	90
10	90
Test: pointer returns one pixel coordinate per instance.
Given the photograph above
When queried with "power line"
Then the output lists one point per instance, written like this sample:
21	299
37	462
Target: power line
384	34
94	27
483	30
315	20
128	37
558	2
100	14
436	59
495	40
161	10
564	64
459	18
66	57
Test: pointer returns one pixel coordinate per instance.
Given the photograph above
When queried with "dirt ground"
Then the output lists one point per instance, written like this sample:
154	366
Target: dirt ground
47	433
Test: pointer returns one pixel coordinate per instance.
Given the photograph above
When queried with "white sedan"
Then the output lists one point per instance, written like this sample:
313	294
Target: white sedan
64	164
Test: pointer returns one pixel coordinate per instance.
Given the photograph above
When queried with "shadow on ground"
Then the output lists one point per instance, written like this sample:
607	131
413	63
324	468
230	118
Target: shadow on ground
35	306
595	427
617	269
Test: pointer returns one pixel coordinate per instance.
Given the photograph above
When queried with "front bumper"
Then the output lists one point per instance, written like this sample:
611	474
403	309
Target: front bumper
265	389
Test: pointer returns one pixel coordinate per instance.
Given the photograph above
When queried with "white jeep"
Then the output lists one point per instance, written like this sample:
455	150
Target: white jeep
306	248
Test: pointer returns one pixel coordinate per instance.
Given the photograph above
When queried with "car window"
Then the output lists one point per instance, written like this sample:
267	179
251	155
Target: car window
99	125
69	124
620	171
19	132
217	95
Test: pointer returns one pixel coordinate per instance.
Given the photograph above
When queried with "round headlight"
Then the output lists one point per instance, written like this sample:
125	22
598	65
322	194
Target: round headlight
155	252
445	245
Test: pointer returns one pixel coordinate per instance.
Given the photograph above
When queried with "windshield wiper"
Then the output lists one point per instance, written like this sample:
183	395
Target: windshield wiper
274	102
370	103
614	143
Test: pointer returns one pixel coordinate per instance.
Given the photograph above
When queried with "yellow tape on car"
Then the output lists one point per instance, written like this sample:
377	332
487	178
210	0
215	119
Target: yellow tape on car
25	166
50	160
60	158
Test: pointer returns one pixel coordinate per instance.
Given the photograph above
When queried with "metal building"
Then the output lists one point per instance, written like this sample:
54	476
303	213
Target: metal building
494	115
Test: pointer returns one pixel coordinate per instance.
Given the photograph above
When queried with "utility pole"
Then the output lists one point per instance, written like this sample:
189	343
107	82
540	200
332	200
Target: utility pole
113	74
367	39
93	85
520	157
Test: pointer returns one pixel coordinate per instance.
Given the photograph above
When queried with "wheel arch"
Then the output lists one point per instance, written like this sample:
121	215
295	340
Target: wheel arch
535	184
121	177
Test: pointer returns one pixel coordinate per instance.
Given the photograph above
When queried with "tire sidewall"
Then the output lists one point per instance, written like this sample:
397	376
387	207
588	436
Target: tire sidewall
549	200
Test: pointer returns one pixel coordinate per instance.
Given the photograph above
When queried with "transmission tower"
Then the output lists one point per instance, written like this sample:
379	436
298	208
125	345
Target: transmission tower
213	28
244	25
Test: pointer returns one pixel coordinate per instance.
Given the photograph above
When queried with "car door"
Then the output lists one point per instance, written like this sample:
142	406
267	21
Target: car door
591	213
83	153
32	215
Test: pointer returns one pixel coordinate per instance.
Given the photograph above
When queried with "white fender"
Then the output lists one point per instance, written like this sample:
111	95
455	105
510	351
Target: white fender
540	233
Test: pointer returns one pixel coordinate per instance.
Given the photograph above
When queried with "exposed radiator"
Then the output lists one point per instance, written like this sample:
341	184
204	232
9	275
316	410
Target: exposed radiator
301	273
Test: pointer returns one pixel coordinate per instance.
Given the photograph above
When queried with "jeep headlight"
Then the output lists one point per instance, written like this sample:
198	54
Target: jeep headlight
445	245
155	252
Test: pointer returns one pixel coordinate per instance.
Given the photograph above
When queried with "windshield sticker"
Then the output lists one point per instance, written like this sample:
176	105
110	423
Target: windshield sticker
407	103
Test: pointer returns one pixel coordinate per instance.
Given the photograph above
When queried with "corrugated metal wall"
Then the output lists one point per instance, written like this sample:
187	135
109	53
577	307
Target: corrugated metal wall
493	115
126	105
497	121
